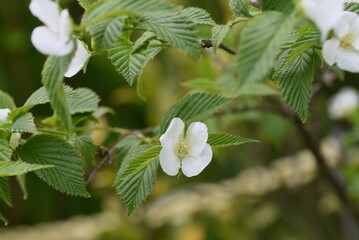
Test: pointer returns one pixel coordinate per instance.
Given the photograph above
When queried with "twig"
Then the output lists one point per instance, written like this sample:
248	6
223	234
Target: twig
207	43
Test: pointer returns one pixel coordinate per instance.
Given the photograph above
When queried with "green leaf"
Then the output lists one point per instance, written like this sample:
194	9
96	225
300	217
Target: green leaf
52	78
86	3
225	140
23	123
109	8
86	148
2	218
352	7
136	179
198	16
6	101
259	44
194	107
11	168
295	82
239	8
285	6
258	89
124	147
68	174
176	29
83	100
5	194
203	84
106	32
5	150
219	32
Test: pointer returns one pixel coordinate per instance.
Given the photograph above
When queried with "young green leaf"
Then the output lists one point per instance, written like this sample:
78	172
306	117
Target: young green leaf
52	78
174	28
5	194
106	32
259	44
285	6
68	174
194	107
83	100
86	148
198	16
5	150
352	7
295	82
23	123
239	8
14	168
137	175
219	32
225	140
6	101
124	147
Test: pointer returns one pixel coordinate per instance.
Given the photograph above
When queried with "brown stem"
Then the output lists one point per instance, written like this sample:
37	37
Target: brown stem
207	43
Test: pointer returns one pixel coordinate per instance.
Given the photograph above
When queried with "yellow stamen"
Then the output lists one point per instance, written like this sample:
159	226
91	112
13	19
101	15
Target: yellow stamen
182	149
347	41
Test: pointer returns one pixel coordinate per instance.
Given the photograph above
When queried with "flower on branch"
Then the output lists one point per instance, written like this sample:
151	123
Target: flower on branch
189	152
324	13
343	48
55	37
344	103
4	112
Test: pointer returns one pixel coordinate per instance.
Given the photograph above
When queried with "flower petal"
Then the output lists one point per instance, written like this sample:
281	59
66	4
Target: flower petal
344	23
330	49
47	42
47	12
169	161
348	60
3	114
192	166
78	61
65	26
196	136
174	132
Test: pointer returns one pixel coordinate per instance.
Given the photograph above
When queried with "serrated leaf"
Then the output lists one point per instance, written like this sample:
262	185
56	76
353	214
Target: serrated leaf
285	6
2	218
124	146
83	100
239	8
295	82
41	96
11	168
68	174
23	123
225	140
52	78
5	150
258	89
352	7
176	29
194	107
219	32
86	148
136	179
86	3
109	8
5	194
259	44
203	84
6	101
198	16
106	32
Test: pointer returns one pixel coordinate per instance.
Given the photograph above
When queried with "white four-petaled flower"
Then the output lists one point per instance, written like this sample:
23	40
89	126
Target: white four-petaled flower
55	37
344	103
189	152
4	112
343	48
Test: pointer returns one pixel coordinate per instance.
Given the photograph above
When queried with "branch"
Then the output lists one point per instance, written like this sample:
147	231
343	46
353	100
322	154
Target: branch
207	43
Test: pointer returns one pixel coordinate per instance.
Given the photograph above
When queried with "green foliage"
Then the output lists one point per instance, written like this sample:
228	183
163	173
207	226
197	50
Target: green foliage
198	16
2	218
14	168
219	32
68	174
295	82
83	100
6	101
86	3
257	89
5	194
202	84
285	6
137	175
5	150
194	107
125	145
225	140
352	7
106	32
85	148
239	8
52	78
260	42
23	123
174	28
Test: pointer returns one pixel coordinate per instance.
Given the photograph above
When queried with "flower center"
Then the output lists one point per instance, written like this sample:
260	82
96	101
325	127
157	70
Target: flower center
182	149
347	41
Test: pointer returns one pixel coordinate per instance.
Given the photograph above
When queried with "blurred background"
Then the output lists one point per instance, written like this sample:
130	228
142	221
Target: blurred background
268	190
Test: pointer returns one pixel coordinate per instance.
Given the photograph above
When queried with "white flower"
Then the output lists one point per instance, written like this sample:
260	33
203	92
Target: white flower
3	115
55	37
79	60
324	13
15	140
190	152
344	103
343	48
